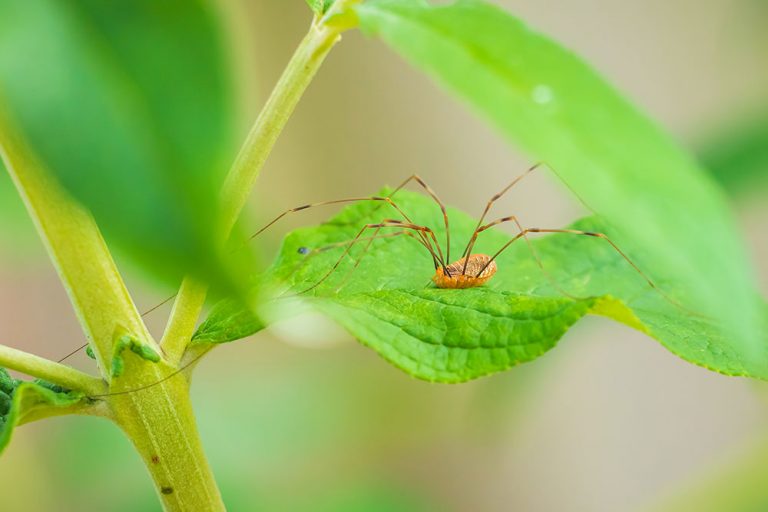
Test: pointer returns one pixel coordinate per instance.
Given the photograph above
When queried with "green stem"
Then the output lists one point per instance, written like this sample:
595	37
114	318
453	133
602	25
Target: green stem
42	368
290	87
160	423
297	76
78	251
181	325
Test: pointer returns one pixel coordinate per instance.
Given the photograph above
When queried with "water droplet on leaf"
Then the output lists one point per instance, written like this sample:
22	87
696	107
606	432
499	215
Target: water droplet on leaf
542	94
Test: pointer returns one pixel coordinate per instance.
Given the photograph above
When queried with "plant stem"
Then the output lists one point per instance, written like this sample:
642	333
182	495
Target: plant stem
78	251
160	423
181	325
261	139
42	368
253	153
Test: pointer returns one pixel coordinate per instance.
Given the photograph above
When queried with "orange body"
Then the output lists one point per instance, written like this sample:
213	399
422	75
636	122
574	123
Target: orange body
459	278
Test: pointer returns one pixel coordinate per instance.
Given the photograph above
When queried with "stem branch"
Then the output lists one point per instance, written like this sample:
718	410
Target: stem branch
181	325
57	373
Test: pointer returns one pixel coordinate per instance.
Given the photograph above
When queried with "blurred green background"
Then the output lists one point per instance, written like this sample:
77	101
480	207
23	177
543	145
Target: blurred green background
300	417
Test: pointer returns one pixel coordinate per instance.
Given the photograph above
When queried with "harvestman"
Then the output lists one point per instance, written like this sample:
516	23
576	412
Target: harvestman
469	271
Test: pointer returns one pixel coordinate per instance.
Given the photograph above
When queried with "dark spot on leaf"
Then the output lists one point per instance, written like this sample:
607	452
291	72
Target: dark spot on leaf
303	250
166	490
155	459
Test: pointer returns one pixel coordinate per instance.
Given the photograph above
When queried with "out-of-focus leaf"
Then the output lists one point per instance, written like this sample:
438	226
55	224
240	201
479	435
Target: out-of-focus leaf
455	335
17	232
738	157
128	104
550	103
22	402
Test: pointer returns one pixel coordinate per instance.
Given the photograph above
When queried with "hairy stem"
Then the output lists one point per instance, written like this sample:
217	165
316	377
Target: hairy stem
36	366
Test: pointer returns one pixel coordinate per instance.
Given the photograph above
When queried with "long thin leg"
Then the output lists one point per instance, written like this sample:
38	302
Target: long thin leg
647	279
387	200
423	184
367	247
534	253
156	383
423	231
326	203
78	349
360	257
480	228
384	224
311	253
150	310
496	197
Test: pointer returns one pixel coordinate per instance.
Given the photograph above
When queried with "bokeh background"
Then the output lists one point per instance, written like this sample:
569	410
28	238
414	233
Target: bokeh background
301	417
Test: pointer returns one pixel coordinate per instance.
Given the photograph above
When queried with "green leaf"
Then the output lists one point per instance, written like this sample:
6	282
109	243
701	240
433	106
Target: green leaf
625	168
22	402
455	335
129	106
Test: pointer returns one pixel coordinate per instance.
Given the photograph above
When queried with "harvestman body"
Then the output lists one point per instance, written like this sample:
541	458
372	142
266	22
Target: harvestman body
479	270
